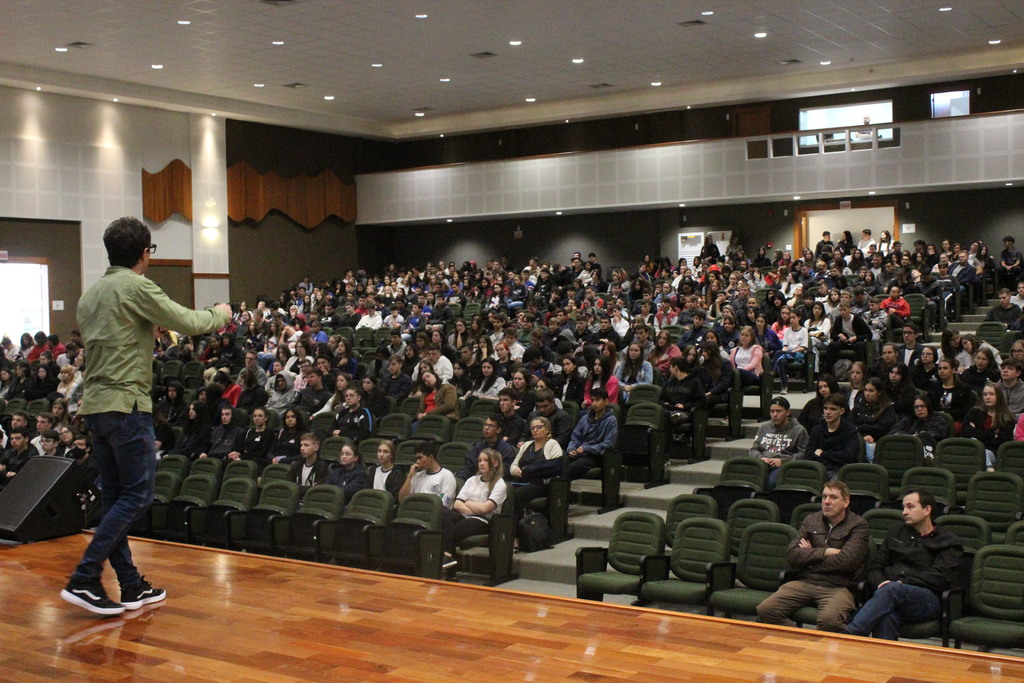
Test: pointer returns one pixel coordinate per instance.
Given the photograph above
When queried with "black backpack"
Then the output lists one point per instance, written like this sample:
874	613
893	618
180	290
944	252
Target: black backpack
535	533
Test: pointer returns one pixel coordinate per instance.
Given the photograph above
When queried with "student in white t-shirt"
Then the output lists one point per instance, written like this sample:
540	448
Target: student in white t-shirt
427	476
481	496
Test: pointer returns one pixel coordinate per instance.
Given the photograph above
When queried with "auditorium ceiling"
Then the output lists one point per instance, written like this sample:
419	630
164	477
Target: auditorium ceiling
398	69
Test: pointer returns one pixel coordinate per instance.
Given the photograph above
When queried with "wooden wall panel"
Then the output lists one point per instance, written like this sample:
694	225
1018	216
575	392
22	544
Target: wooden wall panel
167	192
307	200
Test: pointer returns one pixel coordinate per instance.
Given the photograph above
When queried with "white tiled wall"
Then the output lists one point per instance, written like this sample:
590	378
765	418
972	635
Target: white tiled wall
949	152
81	160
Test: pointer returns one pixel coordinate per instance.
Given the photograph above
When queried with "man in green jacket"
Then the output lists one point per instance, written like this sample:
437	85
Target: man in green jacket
119	316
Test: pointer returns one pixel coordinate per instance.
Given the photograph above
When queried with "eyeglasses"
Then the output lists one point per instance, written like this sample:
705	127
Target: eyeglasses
151	249
536	426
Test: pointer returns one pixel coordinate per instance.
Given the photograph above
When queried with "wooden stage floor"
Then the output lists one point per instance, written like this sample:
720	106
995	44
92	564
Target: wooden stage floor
236	617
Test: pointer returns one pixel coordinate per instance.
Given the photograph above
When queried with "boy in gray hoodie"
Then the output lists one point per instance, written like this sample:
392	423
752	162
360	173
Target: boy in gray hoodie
779	439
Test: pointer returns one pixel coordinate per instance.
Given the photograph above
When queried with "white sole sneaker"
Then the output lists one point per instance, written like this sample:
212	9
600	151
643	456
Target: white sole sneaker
83	601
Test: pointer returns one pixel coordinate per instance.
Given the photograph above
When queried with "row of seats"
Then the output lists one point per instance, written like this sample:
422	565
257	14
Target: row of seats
732	566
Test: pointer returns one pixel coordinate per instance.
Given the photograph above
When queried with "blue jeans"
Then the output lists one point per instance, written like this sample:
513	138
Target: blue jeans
780	361
124	450
893	604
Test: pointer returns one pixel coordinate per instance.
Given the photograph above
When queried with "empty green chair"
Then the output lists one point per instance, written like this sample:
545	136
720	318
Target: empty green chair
411	543
799	482
433	428
249	469
250	529
344	540
1015	534
964	458
697	544
996	497
323	424
975	532
1010	458
275	471
644	393
482	407
396	426
207	525
175	463
410	406
744	513
168	520
741	477
995	600
211	466
643	442
452	455
760	564
687	506
897	453
868	484
635	535
293	535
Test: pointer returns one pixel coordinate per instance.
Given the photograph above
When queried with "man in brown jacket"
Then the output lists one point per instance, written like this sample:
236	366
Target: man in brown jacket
829	557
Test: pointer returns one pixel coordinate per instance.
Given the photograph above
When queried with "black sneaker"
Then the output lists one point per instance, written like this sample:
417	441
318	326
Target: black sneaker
91	596
142	593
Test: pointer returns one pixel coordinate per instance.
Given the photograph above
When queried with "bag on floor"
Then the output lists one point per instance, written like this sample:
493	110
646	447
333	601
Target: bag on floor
535	533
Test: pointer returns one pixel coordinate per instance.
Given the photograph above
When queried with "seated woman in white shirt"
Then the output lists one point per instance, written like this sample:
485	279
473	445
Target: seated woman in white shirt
481	496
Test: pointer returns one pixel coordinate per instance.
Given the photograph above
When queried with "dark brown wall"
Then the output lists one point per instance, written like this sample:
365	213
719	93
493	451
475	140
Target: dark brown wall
60	242
618	239
276	253
175	280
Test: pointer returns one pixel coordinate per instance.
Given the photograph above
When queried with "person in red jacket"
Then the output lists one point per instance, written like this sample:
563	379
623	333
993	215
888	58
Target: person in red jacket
896	306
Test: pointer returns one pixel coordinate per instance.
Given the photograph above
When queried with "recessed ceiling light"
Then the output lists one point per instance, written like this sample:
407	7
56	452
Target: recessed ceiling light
655	83
420	113
277	42
853	90
687	106
825	62
328	97
577	60
115	99
994	42
796	196
258	85
1009	184
213	114
376	66
183	22
558	213
158	66
531	99
871	191
515	43
945	9
761	34
60	49
446	80
39	88
567	120
422	16
706	13
448	221
682	204
442	134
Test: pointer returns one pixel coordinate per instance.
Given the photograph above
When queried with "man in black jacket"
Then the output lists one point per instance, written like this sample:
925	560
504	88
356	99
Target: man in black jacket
849	332
914	565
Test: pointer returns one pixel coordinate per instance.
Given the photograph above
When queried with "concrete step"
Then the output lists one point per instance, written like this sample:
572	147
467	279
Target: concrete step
557	565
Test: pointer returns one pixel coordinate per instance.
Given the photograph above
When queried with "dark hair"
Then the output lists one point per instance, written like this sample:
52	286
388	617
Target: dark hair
126	239
837	485
926	497
427	448
598	392
834	400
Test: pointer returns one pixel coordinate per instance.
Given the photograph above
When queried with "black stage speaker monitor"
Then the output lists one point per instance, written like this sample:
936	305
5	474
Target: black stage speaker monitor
42	501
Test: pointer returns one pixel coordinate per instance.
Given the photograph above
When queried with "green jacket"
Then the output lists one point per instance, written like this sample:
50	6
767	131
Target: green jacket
116	316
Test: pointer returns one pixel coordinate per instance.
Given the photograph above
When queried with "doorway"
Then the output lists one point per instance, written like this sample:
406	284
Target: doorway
812	220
